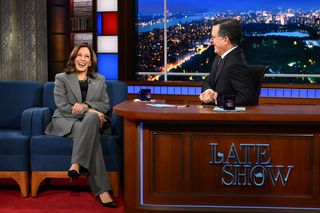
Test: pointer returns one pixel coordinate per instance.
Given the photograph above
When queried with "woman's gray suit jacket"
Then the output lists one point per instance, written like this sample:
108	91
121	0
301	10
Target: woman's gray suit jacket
67	93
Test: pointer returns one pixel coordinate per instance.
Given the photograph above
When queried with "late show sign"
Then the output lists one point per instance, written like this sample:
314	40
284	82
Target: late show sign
248	165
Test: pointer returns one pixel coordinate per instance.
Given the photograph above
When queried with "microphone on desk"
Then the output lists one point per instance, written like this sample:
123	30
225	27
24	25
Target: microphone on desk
144	94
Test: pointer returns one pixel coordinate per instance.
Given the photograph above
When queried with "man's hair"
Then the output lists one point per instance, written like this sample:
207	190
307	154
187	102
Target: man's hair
230	28
71	65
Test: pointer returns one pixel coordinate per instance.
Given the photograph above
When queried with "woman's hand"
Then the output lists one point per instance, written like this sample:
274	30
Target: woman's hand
102	117
78	107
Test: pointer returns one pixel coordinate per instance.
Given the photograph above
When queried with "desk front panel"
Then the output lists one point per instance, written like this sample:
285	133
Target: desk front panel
214	166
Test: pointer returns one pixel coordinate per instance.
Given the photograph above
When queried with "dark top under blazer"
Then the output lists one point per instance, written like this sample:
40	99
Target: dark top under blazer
233	79
67	92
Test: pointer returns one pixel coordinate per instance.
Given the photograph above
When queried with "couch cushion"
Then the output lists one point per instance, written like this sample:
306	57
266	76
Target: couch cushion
50	145
14	151
53	153
15	97
13	142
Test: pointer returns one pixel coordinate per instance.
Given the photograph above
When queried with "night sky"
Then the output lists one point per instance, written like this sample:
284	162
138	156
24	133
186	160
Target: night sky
154	6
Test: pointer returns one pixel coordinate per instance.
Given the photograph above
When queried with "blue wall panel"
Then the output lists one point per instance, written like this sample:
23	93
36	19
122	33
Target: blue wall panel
108	66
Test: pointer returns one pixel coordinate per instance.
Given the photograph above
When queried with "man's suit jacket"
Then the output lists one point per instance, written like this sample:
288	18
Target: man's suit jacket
231	76
67	93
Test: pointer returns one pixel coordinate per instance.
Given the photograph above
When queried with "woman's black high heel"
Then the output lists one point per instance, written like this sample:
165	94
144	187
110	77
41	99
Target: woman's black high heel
73	174
111	204
83	171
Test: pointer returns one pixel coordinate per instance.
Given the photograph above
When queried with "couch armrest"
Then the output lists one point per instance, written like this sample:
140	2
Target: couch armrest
117	124
26	121
35	120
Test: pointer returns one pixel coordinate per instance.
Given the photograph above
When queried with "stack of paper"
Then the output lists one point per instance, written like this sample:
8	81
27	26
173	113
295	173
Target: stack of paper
162	105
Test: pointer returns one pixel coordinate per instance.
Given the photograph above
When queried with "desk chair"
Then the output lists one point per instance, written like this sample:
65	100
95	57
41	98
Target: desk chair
257	73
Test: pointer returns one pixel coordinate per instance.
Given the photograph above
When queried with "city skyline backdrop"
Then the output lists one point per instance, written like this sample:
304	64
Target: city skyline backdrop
156	6
281	34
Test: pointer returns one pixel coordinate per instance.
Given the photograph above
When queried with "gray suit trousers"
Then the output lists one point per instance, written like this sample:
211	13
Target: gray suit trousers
88	153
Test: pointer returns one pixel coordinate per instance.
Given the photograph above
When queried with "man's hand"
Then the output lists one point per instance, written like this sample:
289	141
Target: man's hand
208	96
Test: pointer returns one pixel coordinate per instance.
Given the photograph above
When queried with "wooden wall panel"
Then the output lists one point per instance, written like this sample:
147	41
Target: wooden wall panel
168	163
296	150
23	40
178	166
58	36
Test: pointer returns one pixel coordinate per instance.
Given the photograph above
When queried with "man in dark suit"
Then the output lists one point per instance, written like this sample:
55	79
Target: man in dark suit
230	74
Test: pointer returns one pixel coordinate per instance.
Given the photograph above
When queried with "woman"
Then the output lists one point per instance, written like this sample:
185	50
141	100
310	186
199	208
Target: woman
82	101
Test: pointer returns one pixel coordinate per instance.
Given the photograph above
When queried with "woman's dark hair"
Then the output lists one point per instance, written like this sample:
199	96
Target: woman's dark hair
230	28
70	68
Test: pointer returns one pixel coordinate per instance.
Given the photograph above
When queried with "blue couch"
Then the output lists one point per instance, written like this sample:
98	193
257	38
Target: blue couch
19	99
51	155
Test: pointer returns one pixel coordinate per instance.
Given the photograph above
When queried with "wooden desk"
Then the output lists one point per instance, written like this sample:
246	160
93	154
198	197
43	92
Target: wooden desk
265	159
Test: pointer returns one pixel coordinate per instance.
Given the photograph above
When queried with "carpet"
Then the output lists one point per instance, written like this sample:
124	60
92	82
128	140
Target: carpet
54	196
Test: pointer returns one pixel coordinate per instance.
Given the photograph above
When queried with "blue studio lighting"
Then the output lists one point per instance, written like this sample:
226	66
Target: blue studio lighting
108	65
99	23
